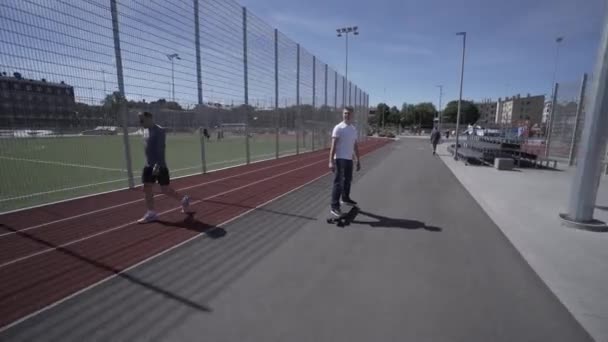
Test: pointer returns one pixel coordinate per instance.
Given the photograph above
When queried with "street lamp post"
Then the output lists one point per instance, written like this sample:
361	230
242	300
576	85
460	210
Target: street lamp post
172	58
558	40
439	109
464	42
345	31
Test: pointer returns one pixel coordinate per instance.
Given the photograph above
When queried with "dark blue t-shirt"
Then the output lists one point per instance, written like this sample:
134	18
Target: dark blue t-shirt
154	142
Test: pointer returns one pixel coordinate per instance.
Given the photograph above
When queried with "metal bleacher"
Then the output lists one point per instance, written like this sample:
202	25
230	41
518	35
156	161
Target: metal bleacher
479	150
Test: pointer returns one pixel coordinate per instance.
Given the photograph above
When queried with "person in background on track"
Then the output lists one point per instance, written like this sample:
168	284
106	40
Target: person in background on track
435	138
343	147
156	169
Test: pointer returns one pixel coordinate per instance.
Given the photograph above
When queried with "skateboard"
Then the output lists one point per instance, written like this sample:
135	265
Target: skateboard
344	219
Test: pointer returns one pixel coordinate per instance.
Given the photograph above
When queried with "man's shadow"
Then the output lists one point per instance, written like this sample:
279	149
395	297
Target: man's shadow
388	222
193	224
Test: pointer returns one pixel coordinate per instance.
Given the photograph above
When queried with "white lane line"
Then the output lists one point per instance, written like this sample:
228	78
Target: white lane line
48	250
142	199
63	164
150	258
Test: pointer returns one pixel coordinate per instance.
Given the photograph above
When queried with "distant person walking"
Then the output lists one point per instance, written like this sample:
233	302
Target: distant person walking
343	147
435	138
156	169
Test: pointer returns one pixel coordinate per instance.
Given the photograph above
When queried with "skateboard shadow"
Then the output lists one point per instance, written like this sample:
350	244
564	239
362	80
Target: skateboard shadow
388	222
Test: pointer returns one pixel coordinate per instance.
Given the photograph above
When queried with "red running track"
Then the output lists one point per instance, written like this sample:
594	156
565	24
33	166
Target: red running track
51	252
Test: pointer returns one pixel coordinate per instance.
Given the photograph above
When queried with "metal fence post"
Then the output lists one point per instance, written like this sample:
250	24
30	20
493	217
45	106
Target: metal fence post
344	92
199	77
203	156
350	88
336	91
297	119
325	109
276	89
551	119
314	81
579	110
122	108
246	79
197	42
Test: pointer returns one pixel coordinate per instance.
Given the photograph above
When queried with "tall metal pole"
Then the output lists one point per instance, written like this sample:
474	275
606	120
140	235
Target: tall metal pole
579	110
558	40
464	42
593	143
439	114
172	80
246	83
346	71
276	89
121	89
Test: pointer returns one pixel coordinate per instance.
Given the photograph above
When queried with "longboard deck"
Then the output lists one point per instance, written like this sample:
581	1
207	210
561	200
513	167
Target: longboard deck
345	219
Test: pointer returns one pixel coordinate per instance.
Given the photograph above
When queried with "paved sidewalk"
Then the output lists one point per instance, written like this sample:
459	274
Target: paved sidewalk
525	205
422	262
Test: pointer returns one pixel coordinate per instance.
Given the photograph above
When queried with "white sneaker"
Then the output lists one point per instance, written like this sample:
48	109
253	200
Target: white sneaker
150	216
185	204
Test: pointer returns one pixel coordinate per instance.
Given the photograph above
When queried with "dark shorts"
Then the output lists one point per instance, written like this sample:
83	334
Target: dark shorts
162	178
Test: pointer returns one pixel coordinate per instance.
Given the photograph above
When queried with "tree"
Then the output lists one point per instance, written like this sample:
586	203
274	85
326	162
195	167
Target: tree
382	112
394	116
469	113
422	114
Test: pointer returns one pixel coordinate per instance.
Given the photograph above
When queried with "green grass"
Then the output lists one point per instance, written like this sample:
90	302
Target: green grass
36	171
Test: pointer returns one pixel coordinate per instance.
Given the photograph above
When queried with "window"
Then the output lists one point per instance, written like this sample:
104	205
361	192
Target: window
28	87
4	85
67	91
16	86
38	88
49	90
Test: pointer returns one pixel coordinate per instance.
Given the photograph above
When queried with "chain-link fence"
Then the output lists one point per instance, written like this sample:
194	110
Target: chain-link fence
565	120
229	89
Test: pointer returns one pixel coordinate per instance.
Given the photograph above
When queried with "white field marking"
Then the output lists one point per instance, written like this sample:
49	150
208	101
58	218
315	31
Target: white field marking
48	250
142	199
36	194
59	190
122	189
150	258
63	164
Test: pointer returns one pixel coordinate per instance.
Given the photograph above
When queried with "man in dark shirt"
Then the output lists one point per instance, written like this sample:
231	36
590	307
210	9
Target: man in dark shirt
156	169
435	138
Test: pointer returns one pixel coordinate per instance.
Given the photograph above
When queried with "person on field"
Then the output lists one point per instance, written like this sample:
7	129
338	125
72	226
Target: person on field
156	170
343	147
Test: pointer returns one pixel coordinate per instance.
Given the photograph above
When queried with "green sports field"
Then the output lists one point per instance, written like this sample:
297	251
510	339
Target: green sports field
35	171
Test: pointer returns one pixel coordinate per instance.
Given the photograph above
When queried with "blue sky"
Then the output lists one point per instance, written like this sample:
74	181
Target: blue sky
405	47
408	47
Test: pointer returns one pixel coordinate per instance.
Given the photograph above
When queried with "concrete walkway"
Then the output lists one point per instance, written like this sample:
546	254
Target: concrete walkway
525	204
422	262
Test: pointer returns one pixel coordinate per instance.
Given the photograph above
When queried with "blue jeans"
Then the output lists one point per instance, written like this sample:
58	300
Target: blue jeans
343	176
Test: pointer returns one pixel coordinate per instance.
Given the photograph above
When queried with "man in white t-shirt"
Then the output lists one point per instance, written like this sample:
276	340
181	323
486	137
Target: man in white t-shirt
343	146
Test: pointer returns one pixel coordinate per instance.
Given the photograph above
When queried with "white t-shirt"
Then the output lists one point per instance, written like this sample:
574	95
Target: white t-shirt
347	136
